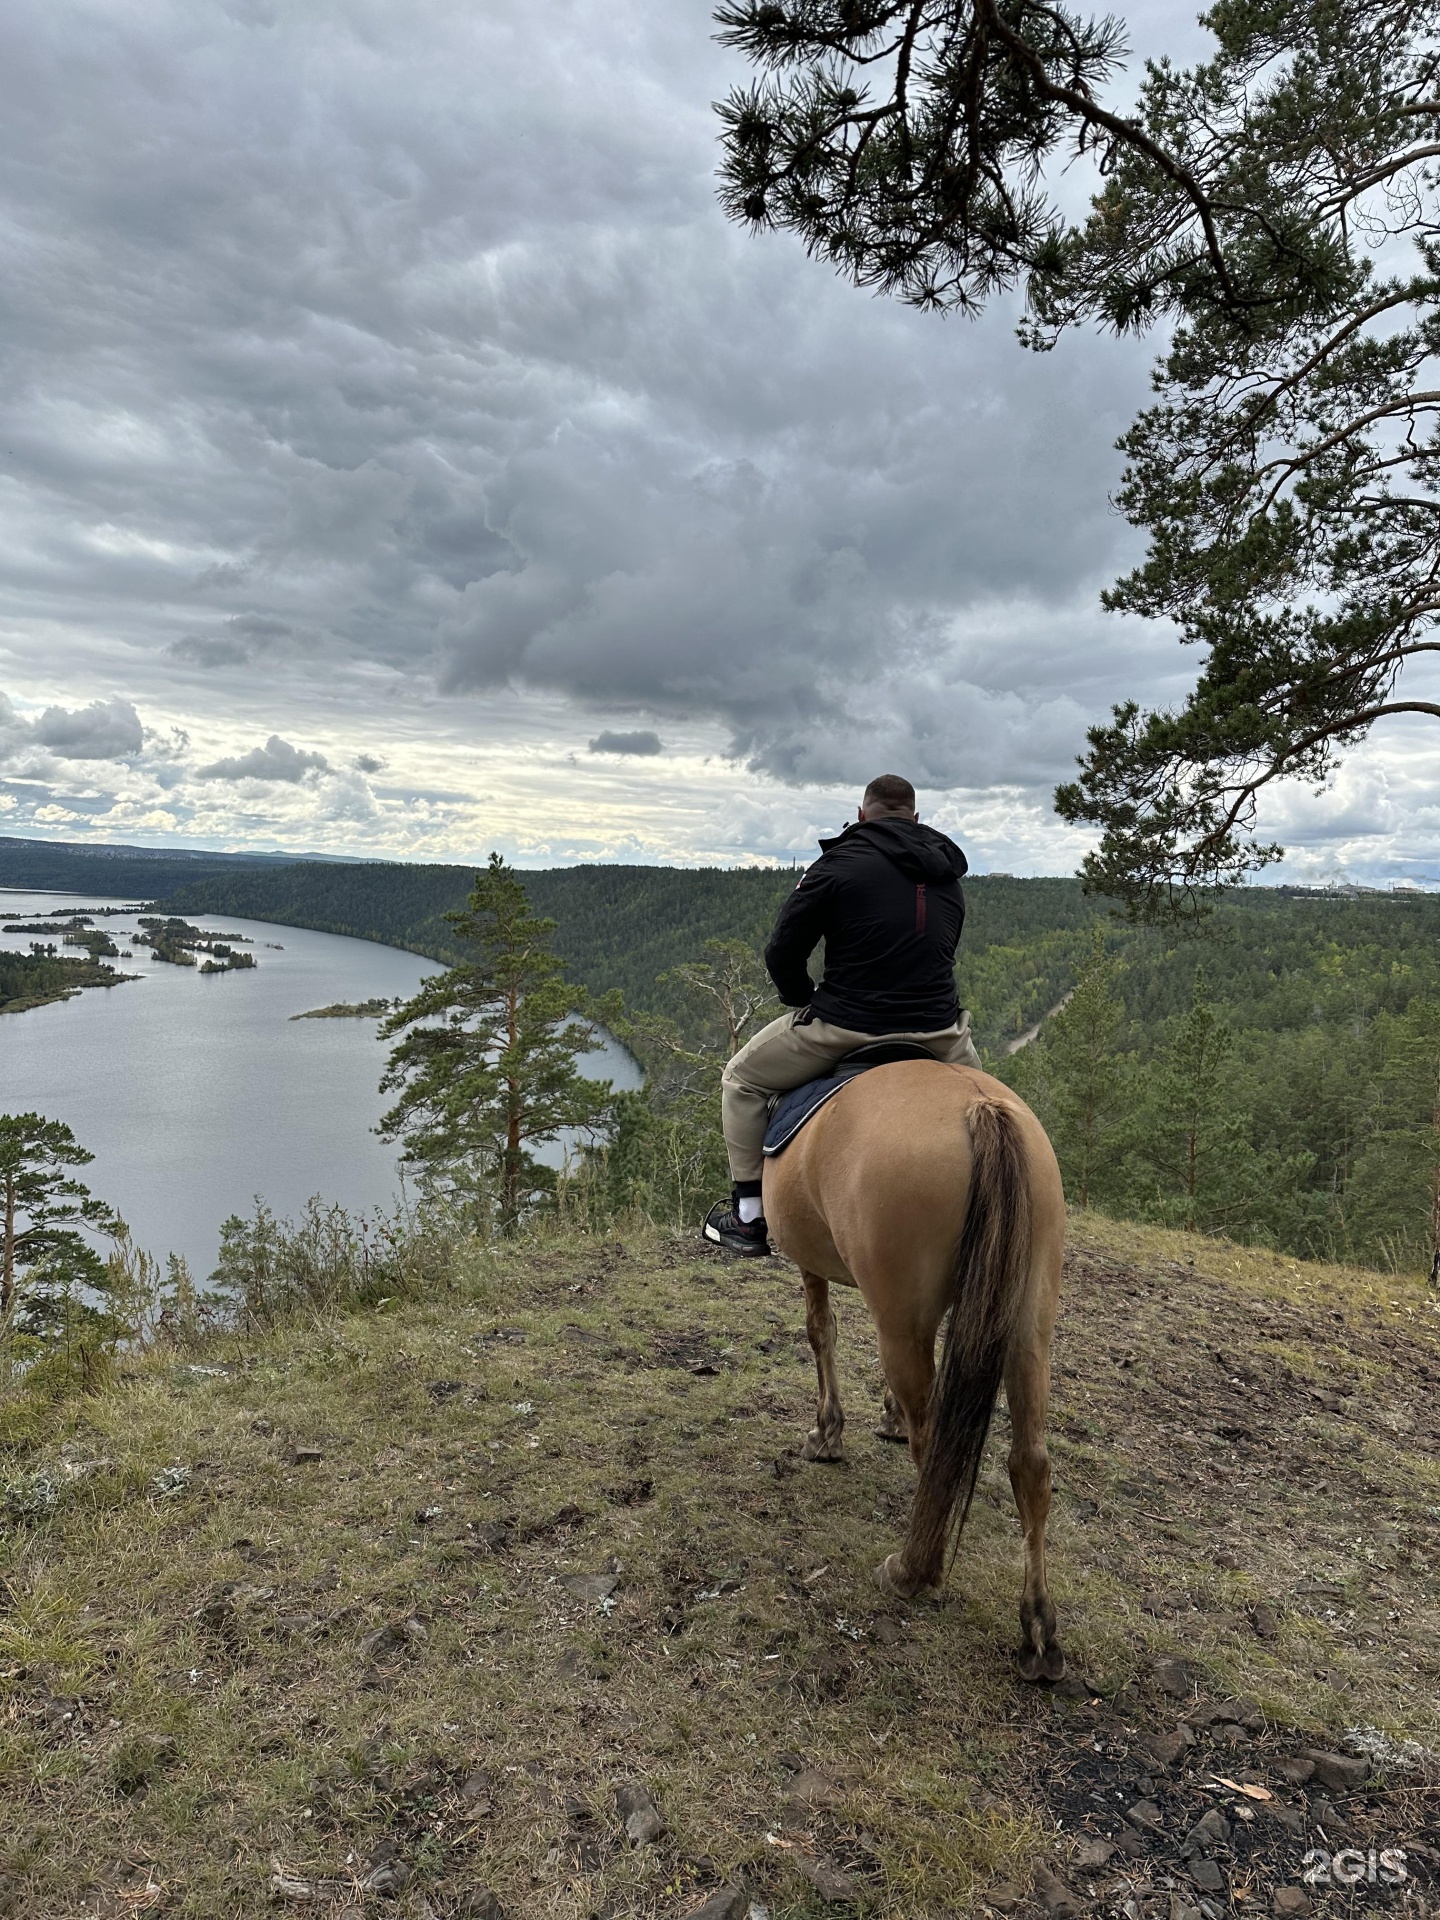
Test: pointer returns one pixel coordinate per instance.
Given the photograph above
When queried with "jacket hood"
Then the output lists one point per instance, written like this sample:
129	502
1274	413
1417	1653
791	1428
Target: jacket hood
921	853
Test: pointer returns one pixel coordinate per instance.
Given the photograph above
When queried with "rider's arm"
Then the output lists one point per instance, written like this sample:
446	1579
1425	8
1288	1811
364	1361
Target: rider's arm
798	931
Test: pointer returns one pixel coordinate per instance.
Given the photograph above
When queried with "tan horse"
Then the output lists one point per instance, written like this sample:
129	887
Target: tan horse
933	1189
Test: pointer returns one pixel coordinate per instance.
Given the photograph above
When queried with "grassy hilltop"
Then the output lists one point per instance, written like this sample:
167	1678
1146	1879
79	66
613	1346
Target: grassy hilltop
377	1612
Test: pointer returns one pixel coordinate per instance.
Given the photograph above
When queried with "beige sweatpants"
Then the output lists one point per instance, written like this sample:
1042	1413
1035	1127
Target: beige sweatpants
784	1055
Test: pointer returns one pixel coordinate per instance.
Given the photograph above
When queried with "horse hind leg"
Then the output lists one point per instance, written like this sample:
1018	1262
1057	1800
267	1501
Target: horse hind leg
909	1363
1027	1389
891	1424
824	1442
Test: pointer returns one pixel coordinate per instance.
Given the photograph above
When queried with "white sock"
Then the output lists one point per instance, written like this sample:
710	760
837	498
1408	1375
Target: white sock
749	1209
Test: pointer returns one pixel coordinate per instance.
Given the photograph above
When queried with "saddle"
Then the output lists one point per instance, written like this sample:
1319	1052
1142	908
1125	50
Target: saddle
791	1110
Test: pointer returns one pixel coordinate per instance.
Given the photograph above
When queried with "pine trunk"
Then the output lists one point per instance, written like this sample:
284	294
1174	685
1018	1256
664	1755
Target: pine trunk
7	1264
510	1178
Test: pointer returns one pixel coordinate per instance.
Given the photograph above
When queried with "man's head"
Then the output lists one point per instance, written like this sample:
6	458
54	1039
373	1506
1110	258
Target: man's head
888	797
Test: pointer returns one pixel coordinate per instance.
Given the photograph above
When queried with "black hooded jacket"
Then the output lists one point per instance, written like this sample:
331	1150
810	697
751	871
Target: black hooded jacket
885	898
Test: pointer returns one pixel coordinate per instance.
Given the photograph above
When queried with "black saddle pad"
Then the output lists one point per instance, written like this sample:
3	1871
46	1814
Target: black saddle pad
793	1109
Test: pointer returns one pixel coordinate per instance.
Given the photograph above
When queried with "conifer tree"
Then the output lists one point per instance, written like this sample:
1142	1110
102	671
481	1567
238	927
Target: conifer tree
44	1254
1394	1194
1083	1073
487	1068
1190	1134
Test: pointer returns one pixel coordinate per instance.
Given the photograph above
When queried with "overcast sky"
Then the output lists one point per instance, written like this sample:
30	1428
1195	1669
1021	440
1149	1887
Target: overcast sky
402	456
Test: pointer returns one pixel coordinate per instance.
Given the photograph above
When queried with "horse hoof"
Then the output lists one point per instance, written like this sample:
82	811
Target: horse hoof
1041	1667
889	1429
893	1576
818	1448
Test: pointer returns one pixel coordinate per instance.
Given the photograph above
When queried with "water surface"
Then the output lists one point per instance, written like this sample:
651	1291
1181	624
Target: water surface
197	1092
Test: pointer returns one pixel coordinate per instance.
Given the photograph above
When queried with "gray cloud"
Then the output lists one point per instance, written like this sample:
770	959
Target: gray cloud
104	730
643	742
14	733
544	422
210	650
425	383
276	760
235	644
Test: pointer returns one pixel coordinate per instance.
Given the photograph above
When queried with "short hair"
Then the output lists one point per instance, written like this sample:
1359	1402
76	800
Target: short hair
892	791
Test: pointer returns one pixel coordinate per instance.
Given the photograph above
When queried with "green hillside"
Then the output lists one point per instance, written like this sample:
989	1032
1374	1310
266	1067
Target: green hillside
131	873
618	927
626	926
1275	1077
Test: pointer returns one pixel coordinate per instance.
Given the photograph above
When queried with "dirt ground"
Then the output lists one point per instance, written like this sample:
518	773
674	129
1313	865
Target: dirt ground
521	1601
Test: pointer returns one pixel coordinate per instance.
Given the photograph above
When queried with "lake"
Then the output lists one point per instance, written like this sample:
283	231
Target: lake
197	1092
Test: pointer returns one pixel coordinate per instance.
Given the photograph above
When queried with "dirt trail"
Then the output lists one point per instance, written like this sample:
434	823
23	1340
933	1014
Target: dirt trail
1033	1033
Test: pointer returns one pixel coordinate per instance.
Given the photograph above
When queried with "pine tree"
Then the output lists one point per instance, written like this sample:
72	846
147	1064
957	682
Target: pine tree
1276	206
1083	1075
1394	1194
45	1259
487	1068
1190	1135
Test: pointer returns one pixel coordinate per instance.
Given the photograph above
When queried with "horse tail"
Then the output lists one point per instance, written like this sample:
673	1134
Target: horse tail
992	1265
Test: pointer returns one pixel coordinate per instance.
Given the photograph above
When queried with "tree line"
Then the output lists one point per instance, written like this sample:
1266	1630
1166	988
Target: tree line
629	929
1319	1134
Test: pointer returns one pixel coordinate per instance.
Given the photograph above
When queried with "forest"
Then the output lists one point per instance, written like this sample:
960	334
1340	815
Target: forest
1308	1024
1275	1077
628	928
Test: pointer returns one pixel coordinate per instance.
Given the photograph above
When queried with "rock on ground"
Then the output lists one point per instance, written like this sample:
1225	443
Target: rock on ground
641	1818
730	1903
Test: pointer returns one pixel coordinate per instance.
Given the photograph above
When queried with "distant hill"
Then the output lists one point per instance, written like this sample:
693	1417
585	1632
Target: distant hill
617	926
135	872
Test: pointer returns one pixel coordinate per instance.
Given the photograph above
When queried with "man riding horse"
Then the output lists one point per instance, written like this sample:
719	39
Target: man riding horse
920	1181
885	898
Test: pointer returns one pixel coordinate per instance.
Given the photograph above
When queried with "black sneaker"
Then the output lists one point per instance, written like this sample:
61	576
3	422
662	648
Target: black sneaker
724	1226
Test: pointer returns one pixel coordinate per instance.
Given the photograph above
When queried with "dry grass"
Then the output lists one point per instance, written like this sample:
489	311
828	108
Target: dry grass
192	1693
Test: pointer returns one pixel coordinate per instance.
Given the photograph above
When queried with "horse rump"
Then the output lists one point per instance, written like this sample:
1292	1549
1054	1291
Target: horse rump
992	1264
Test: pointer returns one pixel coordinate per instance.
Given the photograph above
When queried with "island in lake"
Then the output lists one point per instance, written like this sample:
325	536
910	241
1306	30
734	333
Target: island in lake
47	973
177	942
350	1010
36	978
74	930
